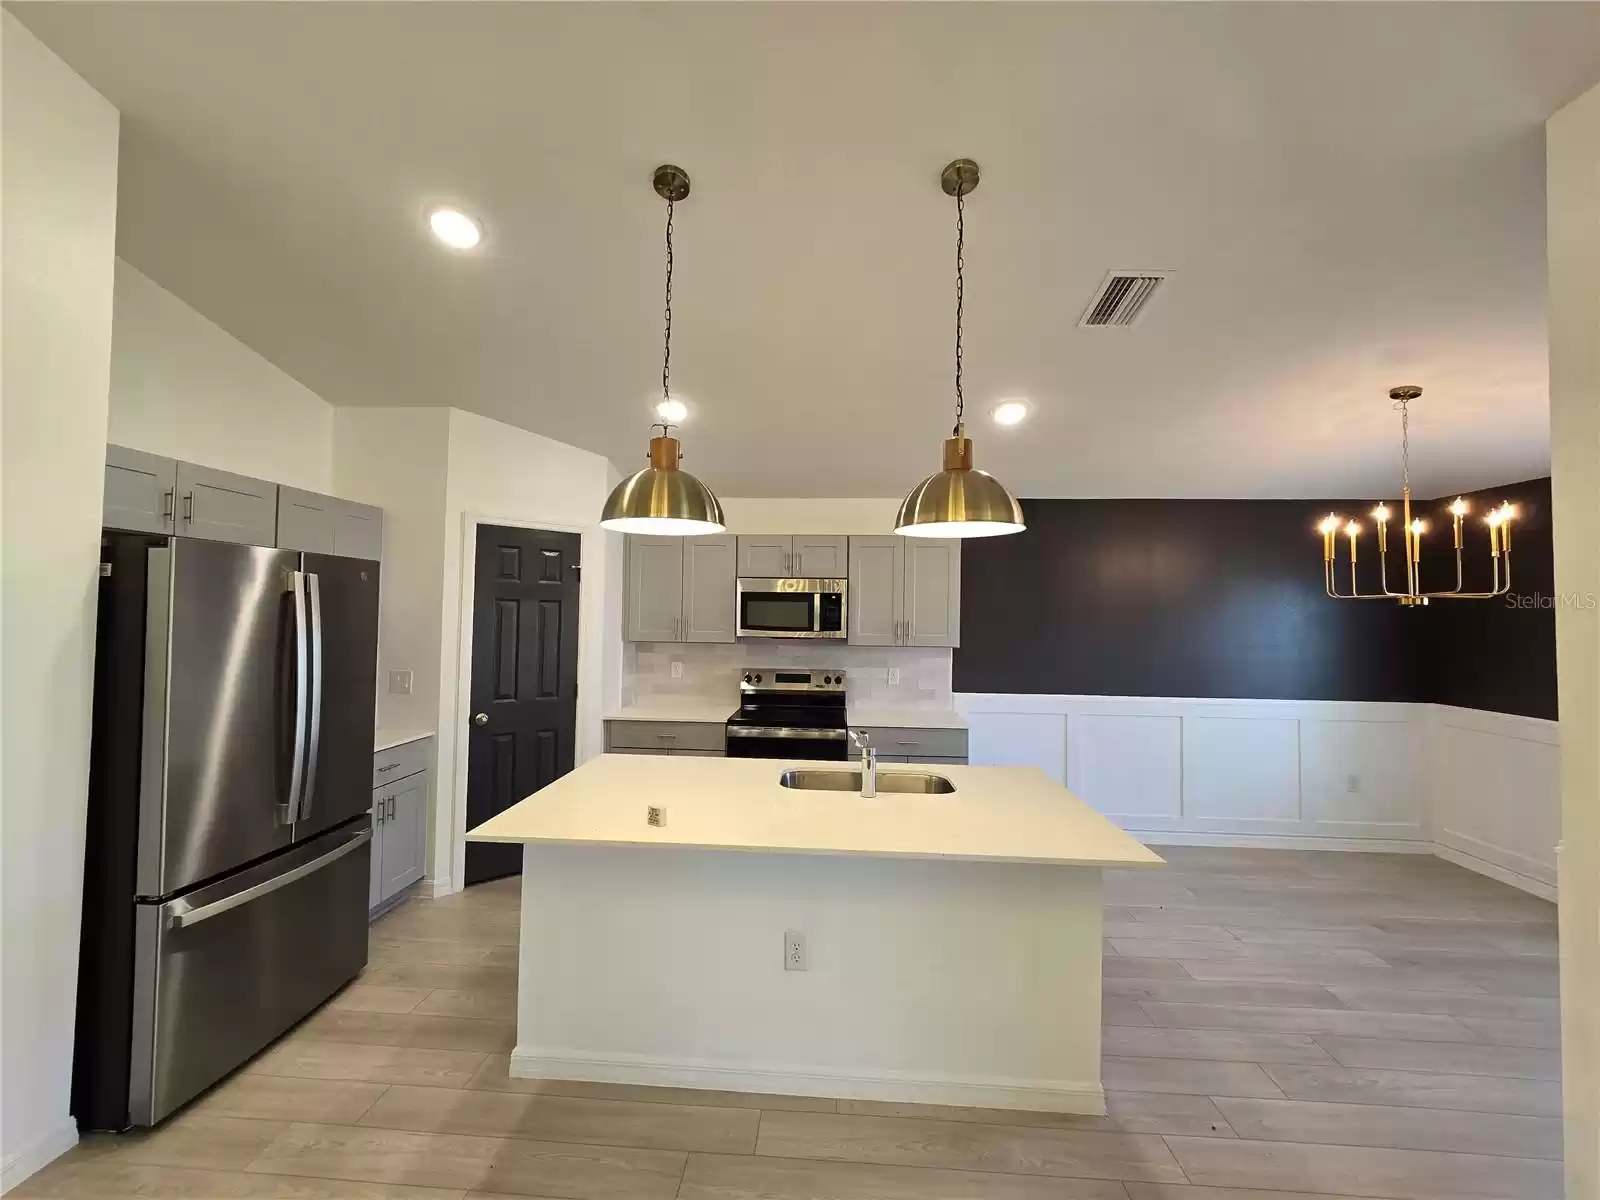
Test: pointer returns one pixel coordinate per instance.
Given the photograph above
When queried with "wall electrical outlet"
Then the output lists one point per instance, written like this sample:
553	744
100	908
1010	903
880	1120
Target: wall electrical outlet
795	957
655	815
399	683
677	668
1352	783
894	676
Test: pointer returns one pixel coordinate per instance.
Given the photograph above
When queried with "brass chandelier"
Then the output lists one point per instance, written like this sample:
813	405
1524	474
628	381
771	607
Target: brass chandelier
1412	528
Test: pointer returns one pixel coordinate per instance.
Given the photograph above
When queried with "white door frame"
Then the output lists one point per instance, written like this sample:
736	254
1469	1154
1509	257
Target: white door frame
462	716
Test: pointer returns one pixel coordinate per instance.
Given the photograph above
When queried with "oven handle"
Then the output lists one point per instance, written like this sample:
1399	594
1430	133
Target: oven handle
750	731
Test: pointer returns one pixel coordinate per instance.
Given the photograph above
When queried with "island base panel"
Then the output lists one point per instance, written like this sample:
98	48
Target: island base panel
946	982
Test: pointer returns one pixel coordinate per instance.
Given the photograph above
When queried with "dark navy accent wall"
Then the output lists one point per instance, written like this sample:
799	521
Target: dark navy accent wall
1224	598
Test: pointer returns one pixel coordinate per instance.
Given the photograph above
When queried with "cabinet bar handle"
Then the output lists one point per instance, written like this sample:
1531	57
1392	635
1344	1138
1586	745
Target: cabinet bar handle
390	767
391	808
166	504
188	507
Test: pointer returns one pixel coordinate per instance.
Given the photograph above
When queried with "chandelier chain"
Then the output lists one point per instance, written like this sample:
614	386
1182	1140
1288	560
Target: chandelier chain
1403	404
666	357
961	237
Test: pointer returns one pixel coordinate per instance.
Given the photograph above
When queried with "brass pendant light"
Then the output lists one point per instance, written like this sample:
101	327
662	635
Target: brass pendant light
662	499
959	502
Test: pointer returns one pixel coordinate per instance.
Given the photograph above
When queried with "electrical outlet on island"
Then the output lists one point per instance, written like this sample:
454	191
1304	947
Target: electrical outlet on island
795	957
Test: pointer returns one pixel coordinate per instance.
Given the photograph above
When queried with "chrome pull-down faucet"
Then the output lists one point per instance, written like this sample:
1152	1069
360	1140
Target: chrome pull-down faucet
869	763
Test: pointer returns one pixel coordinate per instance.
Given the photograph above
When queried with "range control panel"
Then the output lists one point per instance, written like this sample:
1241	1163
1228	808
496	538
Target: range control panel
776	679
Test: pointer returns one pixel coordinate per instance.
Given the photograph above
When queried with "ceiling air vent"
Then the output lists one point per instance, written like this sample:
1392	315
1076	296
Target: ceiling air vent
1122	296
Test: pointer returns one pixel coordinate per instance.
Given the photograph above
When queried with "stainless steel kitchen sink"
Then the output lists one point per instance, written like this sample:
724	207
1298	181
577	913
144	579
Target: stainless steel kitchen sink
918	782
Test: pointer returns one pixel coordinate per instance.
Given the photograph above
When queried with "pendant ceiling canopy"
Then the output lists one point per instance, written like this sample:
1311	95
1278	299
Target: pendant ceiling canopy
958	501
662	498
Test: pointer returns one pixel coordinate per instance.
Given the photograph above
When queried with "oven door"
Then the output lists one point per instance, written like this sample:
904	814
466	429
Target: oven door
776	608
757	741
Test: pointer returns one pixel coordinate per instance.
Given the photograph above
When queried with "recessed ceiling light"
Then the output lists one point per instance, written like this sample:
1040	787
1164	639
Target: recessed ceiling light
1010	412
672	410
454	228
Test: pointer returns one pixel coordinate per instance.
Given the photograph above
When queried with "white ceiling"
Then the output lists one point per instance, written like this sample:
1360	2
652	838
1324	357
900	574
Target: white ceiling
1351	196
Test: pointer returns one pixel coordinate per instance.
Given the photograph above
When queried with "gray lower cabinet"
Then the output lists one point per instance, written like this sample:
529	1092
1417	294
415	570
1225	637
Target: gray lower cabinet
896	744
905	591
224	507
328	525
141	491
399	822
666	737
681	589
798	556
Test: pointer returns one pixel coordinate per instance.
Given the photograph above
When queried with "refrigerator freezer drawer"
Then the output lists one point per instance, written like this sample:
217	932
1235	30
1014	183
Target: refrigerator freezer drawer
224	970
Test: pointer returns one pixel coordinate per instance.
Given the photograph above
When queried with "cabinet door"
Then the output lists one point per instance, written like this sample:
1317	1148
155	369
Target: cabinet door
709	602
932	592
765	556
821	557
307	521
404	832
141	491
375	876
358	531
655	589
875	602
226	508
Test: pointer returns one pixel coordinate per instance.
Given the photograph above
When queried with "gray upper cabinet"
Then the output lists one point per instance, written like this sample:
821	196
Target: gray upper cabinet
141	491
765	556
875	598
824	556
654	599
709	602
327	525
225	507
905	591
931	600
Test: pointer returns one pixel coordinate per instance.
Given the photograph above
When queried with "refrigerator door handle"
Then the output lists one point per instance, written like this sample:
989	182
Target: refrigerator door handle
294	584
313	586
181	916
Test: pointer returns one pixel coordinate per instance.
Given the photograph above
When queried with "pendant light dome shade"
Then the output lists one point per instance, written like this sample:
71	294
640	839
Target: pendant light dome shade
662	499
959	502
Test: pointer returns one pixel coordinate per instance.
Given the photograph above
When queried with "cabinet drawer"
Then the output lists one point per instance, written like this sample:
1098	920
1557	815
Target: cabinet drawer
665	735
399	761
918	743
668	753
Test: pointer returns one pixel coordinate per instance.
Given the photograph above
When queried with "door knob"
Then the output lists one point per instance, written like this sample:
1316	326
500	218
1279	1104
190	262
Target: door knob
481	719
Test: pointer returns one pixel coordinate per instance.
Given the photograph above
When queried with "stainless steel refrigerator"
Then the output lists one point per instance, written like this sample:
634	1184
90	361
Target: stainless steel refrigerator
227	863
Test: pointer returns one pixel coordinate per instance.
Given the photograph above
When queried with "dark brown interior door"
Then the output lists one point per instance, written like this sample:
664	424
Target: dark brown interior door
524	678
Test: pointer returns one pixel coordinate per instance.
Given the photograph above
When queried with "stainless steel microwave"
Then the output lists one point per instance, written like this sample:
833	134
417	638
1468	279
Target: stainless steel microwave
792	608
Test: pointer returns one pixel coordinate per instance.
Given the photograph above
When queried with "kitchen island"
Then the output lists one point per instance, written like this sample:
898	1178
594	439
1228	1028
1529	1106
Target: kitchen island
934	948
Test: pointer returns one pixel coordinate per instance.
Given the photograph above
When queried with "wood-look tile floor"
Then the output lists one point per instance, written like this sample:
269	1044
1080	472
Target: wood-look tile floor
1279	1025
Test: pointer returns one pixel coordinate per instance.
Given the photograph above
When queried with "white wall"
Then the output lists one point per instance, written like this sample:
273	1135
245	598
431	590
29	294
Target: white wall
59	175
182	387
1573	191
809	515
500	474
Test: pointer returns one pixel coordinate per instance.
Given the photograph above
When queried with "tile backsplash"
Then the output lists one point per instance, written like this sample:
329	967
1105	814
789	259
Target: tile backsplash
712	670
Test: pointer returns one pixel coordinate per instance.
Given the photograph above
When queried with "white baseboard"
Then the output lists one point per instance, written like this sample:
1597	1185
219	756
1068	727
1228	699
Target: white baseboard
42	1151
1527	883
1034	1095
1285	842
435	888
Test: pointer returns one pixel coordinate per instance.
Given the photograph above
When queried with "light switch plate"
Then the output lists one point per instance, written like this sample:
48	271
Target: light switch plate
677	668
399	683
894	676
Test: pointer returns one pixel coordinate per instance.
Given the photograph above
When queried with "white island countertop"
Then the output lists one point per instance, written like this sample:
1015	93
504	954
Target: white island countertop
996	814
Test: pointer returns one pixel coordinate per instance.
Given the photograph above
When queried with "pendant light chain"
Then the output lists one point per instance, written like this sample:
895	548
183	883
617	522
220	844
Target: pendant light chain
961	237
666	357
1405	442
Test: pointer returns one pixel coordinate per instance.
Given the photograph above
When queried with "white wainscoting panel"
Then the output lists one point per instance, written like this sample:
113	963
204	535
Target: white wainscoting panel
1493	794
1128	767
1019	739
1242	774
1361	777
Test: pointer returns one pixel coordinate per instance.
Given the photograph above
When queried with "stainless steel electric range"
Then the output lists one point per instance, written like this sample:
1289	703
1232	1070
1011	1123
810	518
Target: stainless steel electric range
786	713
